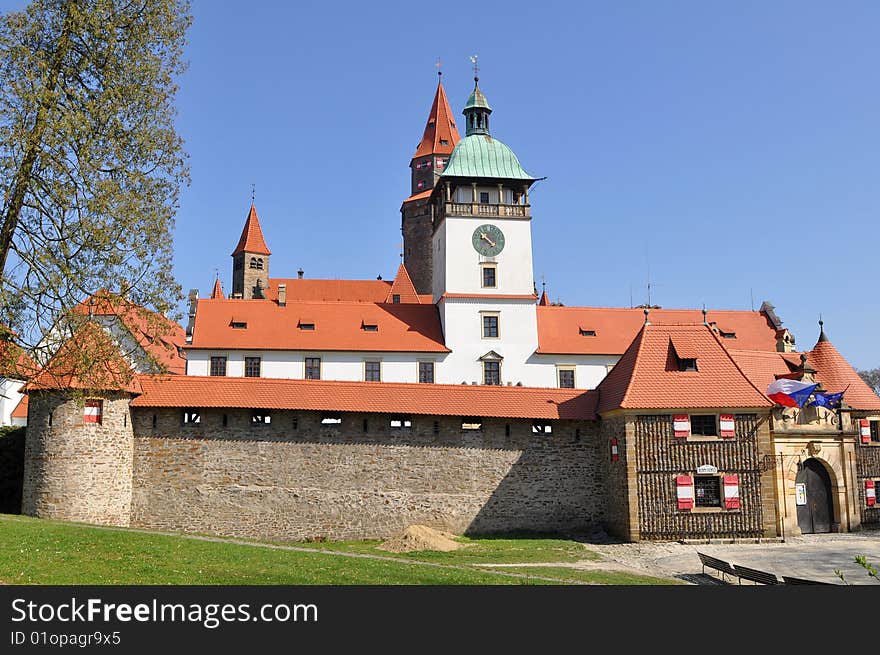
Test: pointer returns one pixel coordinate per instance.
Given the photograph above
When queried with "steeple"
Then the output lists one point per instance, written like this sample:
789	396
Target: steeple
477	111
218	290
441	134
250	260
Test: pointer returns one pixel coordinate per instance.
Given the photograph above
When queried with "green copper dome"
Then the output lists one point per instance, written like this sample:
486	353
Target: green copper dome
477	99
479	155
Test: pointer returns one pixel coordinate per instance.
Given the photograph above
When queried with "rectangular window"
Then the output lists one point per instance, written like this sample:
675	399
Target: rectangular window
489	280
542	427
395	298
218	366
313	368
491	372
426	372
372	371
93	411
566	378
261	417
687	364
401	422
309	327
484	197
331	419
252	367
707	490
490	326
239	325
703	425
471	424
875	431
370	327
192	417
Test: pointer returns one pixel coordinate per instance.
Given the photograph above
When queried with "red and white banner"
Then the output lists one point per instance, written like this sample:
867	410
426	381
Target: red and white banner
865	430
92	411
615	452
728	428
731	491
681	425
870	493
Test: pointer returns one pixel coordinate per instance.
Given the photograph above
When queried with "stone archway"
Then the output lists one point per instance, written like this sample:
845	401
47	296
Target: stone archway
815	489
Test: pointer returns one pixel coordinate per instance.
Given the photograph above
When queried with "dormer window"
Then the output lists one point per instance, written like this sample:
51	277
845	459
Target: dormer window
239	325
303	325
443	142
727	335
369	327
687	364
395	299
682	354
586	333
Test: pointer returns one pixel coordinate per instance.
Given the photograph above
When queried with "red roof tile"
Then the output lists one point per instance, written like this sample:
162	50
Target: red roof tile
836	374
379	397
403	288
21	409
309	290
160	337
420	195
338	326
559	328
252	236
89	360
217	292
762	367
647	375
544	301
440	134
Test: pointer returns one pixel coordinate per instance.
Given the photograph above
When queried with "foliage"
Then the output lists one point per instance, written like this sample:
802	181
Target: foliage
862	561
871	378
90	162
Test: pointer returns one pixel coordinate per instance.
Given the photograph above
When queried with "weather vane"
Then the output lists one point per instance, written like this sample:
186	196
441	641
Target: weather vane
476	68
439	65
253	192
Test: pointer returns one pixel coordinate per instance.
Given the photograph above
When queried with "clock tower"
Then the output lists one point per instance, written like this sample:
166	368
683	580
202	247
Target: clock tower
483	279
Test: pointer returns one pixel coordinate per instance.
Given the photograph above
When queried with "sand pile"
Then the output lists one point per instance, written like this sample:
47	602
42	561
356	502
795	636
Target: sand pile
421	537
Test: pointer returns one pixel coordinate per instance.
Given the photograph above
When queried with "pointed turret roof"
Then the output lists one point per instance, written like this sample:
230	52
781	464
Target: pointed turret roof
544	301
836	374
403	287
218	290
441	134
252	236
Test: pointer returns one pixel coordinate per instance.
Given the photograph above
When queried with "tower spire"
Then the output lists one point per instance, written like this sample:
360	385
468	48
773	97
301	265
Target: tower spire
477	108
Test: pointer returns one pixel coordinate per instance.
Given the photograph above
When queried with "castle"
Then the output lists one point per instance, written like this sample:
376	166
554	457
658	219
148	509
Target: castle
452	396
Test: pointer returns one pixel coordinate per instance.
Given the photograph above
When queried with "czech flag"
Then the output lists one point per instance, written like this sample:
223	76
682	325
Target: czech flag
790	393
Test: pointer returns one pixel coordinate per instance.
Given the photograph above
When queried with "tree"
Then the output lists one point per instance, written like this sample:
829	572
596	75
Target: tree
90	163
871	378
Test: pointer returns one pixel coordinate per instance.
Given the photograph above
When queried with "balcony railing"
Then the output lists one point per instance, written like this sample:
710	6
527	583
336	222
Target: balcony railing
483	209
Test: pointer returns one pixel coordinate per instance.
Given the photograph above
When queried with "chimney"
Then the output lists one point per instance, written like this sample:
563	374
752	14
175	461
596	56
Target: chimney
300	273
193	303
282	295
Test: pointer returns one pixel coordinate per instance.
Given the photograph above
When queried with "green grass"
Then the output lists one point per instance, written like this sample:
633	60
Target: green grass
46	552
34	551
501	550
565	574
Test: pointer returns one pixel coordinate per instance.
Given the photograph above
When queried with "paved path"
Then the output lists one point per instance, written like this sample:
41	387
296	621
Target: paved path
810	556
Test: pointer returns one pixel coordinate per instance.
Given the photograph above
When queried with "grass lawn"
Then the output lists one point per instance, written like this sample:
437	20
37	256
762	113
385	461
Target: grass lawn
34	551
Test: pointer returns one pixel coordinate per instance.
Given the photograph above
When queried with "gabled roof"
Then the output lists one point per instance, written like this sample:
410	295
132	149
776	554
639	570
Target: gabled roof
374	397
337	326
251	239
21	409
440	128
403	287
559	328
89	361
217	292
309	290
647	375
836	374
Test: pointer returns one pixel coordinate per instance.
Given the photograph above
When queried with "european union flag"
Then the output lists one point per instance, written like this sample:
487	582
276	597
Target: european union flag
827	400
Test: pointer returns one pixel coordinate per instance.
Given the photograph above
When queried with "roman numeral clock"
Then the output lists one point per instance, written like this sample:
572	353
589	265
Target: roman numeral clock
488	240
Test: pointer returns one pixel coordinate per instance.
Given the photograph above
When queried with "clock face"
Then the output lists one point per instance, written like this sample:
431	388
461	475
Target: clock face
488	240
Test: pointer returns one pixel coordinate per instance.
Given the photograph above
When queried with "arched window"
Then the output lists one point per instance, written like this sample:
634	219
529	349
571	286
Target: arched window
257	263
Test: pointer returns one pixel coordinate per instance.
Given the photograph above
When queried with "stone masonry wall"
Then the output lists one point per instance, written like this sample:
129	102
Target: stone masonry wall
78	471
417	232
620	517
296	479
867	468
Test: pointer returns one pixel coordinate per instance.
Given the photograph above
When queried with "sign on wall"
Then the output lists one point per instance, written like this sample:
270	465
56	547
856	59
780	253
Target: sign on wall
800	493
707	469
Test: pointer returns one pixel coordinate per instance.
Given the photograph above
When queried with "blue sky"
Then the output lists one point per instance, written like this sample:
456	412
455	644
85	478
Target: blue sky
726	150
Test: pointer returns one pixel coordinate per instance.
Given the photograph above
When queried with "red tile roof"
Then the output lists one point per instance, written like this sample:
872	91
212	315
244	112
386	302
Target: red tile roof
160	337
252	236
89	360
763	368
217	292
21	409
440	128
338	326
379	397
559	328
15	363
836	374
647	375
309	290
544	301
420	195
403	287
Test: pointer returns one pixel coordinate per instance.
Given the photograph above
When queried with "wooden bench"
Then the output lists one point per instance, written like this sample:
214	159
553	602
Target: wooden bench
797	581
761	577
717	564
